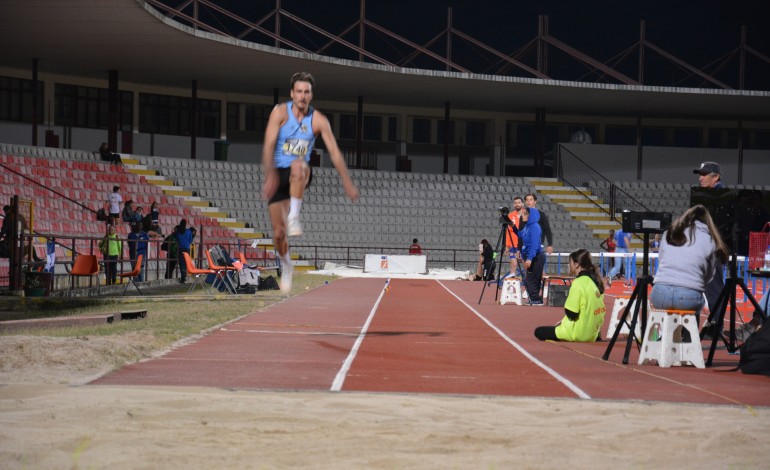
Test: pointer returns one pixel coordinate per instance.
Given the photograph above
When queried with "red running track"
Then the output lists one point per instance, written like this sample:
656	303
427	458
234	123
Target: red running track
426	336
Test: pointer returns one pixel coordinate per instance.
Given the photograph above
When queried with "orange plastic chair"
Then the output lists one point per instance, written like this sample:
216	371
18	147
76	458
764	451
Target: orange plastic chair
221	273
245	263
85	265
197	272
137	270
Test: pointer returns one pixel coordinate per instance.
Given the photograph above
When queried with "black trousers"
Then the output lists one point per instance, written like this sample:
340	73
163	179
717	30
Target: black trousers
534	277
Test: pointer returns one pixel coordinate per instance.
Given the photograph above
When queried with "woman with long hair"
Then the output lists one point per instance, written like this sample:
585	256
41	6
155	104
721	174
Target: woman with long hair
584	308
690	252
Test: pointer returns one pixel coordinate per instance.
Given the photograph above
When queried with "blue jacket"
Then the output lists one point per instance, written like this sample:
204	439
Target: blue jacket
531	236
185	239
137	244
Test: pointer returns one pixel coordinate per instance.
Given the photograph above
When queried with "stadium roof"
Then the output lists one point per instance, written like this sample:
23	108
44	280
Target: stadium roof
89	37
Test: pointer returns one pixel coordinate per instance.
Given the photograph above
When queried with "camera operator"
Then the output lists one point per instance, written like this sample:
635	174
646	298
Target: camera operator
511	239
532	253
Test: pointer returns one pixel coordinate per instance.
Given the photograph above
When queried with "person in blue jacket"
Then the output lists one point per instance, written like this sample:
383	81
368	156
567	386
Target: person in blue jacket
532	253
137	245
184	237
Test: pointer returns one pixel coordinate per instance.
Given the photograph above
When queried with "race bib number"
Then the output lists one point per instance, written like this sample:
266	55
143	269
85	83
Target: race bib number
296	147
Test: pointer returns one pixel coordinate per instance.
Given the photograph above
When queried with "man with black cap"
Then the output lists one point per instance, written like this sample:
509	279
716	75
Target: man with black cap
710	175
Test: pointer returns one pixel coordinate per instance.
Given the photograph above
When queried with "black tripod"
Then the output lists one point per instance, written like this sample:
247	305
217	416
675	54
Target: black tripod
500	249
639	301
716	318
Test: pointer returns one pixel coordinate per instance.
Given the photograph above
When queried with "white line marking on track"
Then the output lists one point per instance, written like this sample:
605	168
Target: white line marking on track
340	378
580	393
286	332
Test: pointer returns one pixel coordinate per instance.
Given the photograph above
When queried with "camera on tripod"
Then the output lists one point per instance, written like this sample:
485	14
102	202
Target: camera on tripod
504	211
645	222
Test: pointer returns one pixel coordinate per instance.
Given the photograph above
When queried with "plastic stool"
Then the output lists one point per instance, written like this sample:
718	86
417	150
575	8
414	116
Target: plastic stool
511	292
617	311
663	339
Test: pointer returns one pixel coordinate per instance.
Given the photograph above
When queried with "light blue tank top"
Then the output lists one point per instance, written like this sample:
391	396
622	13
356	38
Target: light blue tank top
295	139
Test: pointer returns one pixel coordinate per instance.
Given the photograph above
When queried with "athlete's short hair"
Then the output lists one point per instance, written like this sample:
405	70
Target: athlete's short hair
302	77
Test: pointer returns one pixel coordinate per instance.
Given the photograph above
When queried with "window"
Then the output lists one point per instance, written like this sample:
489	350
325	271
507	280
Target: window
373	128
81	106
164	114
16	100
616	135
392	129
723	138
475	133
256	117
761	140
233	116
687	138
421	131
348	126
440	132
653	136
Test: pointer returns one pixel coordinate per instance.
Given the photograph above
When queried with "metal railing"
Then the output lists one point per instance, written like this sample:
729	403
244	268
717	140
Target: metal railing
584	179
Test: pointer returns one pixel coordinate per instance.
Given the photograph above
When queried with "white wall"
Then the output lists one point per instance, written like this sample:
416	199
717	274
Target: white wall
672	164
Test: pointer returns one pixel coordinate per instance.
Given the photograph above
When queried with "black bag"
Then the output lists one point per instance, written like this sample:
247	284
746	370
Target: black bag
101	215
755	353
246	289
268	283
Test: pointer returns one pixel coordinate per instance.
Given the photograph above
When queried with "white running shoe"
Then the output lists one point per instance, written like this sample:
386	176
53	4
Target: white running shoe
287	270
295	227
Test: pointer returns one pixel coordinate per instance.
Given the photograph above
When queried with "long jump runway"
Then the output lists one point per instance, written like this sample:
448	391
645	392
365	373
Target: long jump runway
426	336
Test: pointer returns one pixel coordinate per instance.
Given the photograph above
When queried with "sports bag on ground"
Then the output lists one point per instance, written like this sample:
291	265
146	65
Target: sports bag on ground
755	352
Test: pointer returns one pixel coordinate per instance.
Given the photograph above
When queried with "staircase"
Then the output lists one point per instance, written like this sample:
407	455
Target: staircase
589	210
133	165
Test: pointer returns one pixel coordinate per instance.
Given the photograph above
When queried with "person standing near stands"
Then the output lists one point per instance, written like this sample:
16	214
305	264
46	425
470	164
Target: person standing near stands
114	200
184	238
710	176
415	248
609	245
112	248
547	238
532	253
512	239
584	308
289	138
137	245
622	244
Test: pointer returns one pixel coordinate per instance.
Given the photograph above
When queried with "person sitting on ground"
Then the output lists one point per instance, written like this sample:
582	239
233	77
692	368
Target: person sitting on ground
415	249
584	308
107	156
485	269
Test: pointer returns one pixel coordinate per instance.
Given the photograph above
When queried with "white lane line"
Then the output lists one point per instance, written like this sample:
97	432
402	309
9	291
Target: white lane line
580	393
343	372
291	332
